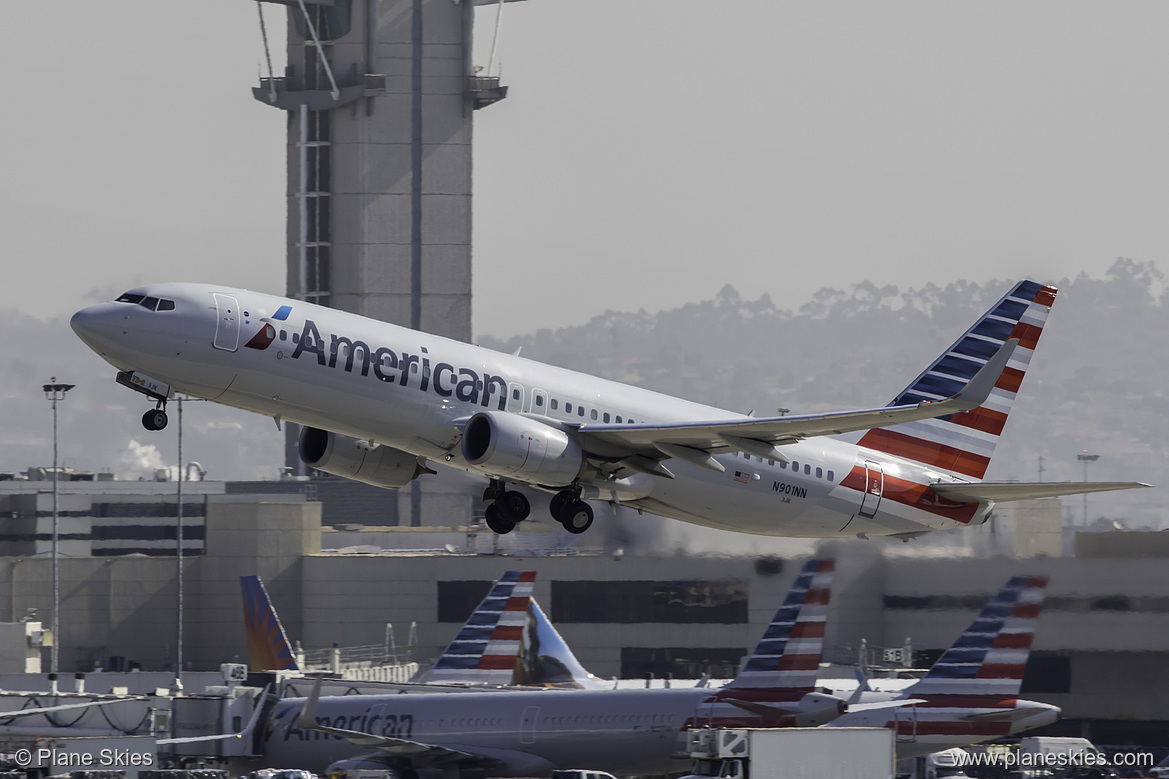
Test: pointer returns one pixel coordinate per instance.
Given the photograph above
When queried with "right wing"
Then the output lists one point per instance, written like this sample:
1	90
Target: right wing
641	446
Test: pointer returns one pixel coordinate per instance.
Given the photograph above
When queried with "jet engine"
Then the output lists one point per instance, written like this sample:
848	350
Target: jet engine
816	709
340	455
514	447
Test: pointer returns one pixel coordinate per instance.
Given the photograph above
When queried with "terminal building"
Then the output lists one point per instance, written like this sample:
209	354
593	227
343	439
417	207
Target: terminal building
627	611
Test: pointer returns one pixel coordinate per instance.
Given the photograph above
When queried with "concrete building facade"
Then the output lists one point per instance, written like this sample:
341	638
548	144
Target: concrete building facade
1102	641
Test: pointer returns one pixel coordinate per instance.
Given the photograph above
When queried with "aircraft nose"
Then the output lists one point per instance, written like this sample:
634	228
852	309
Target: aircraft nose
97	325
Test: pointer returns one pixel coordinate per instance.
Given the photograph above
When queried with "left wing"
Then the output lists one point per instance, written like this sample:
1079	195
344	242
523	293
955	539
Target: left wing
1001	492
642	446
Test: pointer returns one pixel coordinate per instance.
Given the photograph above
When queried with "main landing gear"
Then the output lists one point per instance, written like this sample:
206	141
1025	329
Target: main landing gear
569	510
510	507
507	508
156	418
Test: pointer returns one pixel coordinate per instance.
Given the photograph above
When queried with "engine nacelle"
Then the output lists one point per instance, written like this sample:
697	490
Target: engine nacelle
520	448
340	455
816	709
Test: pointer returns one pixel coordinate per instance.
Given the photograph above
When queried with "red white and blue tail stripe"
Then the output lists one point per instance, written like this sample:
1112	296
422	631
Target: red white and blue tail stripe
988	659
963	444
788	655
487	649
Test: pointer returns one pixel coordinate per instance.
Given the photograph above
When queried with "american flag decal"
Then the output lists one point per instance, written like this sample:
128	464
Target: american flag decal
742	477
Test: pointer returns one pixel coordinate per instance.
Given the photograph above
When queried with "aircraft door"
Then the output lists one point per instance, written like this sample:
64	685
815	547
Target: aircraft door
874	488
226	323
528	724
515	397
539	402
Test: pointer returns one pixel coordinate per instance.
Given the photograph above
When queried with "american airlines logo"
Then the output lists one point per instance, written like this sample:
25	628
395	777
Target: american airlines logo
403	369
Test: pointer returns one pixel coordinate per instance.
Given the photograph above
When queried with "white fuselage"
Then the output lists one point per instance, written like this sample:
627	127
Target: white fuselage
530	733
412	391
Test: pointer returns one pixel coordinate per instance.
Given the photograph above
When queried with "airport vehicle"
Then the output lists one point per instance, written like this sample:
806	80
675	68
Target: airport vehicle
795	753
1065	757
532	732
971	693
381	403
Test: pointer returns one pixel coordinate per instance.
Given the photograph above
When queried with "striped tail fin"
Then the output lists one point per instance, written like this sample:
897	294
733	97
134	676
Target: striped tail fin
268	648
788	655
988	659
964	443
487	649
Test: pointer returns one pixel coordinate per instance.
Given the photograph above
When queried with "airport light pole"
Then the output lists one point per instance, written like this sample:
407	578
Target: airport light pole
179	559
1086	458
55	392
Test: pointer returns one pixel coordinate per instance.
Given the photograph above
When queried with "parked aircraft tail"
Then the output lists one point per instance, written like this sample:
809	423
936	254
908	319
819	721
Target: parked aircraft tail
268	648
776	687
788	655
487	649
963	443
988	658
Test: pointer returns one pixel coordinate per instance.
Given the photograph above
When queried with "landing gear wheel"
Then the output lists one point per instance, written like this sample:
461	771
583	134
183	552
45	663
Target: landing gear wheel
496	521
155	419
513	505
558	508
578	517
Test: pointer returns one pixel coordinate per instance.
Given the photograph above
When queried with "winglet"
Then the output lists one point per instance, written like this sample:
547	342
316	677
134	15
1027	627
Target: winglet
307	720
978	389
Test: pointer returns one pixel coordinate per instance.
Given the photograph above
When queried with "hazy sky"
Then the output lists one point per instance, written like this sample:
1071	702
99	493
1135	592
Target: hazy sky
650	151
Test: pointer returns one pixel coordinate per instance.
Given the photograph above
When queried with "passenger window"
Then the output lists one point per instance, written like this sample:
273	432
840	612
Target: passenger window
567	408
831	476
771	462
618	420
515	394
606	417
783	465
296	338
283	335
807	469
593	413
580	411
795	466
819	472
539	400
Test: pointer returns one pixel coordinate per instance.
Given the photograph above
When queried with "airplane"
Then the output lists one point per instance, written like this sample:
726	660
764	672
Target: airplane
971	694
506	641
380	404
532	732
268	647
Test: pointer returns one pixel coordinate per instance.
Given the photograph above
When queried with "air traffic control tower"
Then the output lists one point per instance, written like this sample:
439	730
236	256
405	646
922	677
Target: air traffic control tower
380	96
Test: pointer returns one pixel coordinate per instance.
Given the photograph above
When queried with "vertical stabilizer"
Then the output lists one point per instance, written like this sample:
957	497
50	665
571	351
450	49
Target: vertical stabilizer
268	648
788	655
487	649
988	659
964	443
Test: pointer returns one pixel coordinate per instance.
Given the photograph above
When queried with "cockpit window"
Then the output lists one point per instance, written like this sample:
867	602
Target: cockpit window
147	302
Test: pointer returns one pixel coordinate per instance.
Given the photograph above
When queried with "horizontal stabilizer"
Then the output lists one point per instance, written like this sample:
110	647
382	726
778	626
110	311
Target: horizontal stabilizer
1005	715
1001	492
878	705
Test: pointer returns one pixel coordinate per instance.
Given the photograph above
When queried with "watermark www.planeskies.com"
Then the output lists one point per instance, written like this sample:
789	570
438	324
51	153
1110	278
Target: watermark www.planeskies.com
1071	758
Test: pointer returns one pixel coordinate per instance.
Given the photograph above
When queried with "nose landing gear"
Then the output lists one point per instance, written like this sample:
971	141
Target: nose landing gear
156	418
